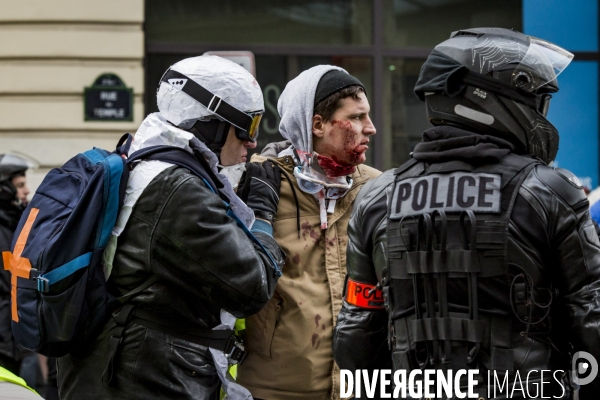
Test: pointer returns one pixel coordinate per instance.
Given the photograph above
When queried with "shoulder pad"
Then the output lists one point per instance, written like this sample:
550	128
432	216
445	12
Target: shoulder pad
410	168
385	179
568	175
563	182
374	186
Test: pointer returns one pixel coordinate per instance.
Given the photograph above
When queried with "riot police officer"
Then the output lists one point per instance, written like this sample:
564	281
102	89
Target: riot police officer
476	254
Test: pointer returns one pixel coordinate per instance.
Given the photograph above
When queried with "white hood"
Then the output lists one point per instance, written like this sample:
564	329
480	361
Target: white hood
155	130
222	77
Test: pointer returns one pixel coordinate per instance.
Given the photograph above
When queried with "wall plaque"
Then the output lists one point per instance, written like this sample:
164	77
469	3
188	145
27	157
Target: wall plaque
108	100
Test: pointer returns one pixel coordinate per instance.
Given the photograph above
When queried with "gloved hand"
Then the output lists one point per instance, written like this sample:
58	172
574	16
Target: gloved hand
259	189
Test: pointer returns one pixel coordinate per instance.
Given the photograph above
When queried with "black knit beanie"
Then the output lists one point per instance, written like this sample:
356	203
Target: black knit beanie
332	82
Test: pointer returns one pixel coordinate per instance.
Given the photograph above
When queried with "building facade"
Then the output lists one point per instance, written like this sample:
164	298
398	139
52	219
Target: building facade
50	51
56	48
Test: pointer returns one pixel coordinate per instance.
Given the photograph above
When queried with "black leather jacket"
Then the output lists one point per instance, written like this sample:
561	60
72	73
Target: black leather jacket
180	232
10	352
549	230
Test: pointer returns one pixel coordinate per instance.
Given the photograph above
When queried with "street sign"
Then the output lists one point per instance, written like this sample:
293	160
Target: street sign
243	58
108	100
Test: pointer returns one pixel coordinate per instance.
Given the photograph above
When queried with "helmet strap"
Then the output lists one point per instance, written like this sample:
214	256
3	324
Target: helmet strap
213	133
213	103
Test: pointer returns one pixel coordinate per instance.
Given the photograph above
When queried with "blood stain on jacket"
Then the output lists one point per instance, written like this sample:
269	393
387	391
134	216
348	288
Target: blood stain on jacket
316	236
315	341
305	229
317	319
296	259
329	243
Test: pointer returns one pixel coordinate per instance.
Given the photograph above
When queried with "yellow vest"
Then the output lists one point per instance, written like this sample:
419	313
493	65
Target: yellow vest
7	376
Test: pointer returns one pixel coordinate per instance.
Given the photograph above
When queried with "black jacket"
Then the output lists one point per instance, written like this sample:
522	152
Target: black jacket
549	230
10	352
180	232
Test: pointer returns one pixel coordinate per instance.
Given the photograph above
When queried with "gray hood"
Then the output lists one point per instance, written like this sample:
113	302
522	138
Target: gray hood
296	106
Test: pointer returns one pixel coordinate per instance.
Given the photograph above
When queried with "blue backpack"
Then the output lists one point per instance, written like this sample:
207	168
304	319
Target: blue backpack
59	297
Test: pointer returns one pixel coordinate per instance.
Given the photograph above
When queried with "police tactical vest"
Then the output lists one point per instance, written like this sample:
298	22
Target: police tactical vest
448	223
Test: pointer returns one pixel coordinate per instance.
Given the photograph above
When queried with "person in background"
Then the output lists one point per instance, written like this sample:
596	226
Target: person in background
13	200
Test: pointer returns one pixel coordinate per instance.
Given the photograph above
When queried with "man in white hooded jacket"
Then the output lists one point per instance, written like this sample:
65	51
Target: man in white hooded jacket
192	245
325	115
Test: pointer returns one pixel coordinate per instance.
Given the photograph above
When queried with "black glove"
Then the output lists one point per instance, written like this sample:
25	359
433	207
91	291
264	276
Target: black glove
259	189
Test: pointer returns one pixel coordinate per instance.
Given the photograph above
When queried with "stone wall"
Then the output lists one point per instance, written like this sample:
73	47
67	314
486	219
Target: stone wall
49	52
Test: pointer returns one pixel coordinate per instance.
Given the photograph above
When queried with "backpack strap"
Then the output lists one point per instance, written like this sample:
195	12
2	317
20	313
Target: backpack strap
124	144
145	285
178	156
121	318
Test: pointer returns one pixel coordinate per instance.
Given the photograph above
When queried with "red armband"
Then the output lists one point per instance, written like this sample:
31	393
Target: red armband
364	295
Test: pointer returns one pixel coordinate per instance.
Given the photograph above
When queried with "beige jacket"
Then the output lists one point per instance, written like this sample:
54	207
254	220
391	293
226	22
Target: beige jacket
289	341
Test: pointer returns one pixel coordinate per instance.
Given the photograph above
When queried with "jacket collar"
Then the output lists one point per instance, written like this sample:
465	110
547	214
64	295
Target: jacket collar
447	143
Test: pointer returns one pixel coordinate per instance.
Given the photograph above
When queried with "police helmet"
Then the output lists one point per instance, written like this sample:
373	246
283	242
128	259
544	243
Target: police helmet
206	95
11	165
497	81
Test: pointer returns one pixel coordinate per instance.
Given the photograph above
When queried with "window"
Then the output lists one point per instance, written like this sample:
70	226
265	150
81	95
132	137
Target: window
425	23
382	42
289	22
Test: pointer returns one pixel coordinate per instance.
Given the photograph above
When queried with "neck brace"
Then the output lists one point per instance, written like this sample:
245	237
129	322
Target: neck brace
309	167
326	189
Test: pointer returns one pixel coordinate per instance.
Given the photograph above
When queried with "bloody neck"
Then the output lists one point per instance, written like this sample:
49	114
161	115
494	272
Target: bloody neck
333	169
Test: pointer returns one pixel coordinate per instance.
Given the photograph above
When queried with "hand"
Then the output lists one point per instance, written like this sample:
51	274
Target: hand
259	189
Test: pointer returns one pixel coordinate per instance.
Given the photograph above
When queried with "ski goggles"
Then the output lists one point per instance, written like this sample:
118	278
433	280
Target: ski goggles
246	124
252	133
313	185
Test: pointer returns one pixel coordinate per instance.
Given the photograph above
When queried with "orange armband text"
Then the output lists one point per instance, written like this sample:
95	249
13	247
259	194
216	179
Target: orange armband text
364	295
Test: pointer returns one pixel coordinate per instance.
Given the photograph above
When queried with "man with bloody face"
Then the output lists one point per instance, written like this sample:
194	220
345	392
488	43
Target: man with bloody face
325	117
